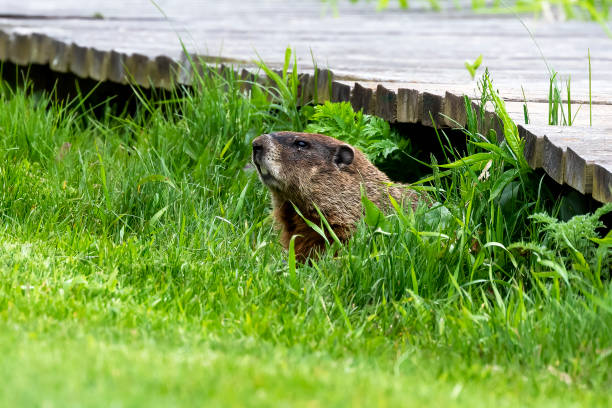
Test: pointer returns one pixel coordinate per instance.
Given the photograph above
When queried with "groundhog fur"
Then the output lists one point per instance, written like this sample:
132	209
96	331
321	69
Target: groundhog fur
305	170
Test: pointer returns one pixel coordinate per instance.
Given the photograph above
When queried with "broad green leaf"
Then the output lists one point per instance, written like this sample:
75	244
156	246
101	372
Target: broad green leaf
506	178
466	161
373	216
473	67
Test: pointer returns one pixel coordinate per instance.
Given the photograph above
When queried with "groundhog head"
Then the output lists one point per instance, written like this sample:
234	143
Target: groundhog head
301	165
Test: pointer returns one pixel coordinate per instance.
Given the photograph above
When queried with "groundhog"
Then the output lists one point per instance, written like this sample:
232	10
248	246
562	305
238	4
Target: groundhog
305	170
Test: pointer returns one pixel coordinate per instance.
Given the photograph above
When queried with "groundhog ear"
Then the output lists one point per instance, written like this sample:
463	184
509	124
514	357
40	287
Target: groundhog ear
344	155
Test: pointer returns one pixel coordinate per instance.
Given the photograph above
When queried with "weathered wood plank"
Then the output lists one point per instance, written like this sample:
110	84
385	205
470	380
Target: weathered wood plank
20	49
453	110
569	155
324	80
578	172
5	42
115	68
386	104
361	98
533	147
79	61
98	65
553	160
409	104
602	183
340	92
432	106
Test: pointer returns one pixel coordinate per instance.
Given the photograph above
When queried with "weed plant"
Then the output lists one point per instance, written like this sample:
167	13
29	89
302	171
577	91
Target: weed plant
139	266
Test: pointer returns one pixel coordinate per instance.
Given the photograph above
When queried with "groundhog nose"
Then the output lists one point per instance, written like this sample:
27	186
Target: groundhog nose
257	148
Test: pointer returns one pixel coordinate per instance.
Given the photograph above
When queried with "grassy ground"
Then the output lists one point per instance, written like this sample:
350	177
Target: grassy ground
139	266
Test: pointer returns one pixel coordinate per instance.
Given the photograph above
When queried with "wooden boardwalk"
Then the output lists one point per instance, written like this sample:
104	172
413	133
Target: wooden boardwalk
401	65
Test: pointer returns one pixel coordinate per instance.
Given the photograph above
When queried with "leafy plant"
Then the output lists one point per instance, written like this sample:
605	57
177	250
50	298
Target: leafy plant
576	237
473	67
369	133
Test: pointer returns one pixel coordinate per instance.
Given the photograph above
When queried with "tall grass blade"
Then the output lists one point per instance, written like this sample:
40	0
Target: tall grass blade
590	94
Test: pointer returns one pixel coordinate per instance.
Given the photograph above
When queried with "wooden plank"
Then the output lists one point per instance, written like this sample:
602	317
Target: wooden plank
115	67
324	80
361	98
578	172
5	41
602	183
569	155
432	106
533	147
98	65
409	104
137	69
553	160
79	61
386	104
453	110
340	92
60	56
20	49
41	49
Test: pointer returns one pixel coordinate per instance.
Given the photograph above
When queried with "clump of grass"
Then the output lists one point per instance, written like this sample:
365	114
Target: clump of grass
555	103
283	91
556	114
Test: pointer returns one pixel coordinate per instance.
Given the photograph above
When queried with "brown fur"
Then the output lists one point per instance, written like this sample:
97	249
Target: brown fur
327	173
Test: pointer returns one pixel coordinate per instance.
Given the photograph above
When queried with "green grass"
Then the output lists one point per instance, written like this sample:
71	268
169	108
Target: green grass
139	266
595	10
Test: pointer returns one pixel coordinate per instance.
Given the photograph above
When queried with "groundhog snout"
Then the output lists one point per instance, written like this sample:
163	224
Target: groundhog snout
258	148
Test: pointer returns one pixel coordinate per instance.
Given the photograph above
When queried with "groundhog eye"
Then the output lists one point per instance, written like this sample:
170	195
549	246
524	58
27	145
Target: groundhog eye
301	143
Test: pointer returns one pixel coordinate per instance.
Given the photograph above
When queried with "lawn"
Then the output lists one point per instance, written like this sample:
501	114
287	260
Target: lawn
139	266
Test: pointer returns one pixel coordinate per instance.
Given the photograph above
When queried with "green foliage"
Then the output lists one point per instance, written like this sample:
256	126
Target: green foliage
472	67
370	134
574	240
511	135
139	266
555	103
575	233
594	10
